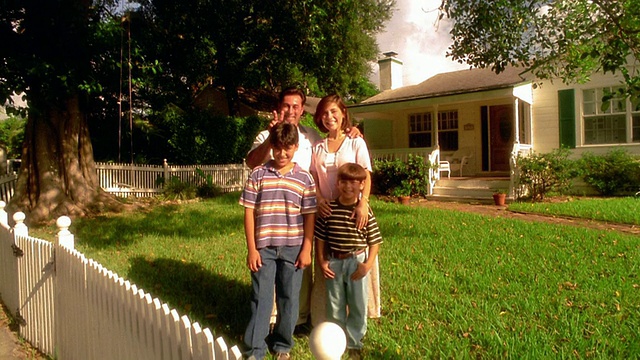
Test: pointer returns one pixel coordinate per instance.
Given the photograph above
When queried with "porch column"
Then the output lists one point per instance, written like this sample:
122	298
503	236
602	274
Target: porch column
516	138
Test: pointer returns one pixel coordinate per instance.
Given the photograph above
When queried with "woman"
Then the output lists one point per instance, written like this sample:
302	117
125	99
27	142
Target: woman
336	149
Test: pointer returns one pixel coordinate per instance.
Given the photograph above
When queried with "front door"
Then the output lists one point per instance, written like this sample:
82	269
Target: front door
500	136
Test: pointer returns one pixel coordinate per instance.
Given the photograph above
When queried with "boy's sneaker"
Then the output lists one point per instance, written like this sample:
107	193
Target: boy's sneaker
354	354
283	356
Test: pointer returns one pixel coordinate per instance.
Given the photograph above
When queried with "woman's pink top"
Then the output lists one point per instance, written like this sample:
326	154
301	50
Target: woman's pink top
324	165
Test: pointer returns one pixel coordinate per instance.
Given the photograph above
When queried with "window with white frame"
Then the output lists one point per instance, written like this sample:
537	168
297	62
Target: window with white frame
611	121
448	130
420	128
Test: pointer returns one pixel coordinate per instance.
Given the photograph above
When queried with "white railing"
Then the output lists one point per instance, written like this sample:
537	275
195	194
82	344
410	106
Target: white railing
7	186
401	154
71	307
147	180
519	150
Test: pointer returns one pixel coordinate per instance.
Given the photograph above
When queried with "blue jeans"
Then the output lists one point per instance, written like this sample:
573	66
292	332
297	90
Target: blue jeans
343	292
278	267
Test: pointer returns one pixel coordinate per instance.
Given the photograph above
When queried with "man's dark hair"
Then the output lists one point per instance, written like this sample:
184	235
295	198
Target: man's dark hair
352	171
292	91
283	135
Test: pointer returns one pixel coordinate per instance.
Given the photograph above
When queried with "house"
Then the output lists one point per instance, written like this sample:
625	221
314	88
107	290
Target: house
490	118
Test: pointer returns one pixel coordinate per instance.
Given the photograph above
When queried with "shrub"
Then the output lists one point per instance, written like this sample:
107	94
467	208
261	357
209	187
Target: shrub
176	189
543	173
390	174
613	173
208	189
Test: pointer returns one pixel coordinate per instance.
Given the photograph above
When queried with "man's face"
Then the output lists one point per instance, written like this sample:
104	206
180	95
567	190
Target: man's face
293	108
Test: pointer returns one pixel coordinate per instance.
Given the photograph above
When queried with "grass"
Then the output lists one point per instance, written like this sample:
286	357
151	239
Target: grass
625	210
454	285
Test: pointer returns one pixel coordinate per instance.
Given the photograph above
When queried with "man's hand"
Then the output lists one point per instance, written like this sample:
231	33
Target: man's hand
353	132
254	260
277	119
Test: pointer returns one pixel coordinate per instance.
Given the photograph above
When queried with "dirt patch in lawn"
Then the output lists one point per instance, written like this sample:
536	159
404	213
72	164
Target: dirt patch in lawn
503	211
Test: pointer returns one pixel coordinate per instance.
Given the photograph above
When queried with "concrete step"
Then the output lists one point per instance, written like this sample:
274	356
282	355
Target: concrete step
472	190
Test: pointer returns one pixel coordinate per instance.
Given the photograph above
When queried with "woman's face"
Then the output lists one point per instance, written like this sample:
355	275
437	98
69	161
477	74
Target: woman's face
332	117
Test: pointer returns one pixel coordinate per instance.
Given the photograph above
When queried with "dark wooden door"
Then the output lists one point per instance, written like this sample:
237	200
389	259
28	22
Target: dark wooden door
500	136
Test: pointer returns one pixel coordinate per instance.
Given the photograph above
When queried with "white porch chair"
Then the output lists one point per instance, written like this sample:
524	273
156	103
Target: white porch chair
444	166
459	159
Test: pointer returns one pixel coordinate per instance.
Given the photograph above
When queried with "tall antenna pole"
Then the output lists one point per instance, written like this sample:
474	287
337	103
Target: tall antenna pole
130	91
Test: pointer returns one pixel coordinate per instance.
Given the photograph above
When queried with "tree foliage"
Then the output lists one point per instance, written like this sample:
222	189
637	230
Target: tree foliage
566	39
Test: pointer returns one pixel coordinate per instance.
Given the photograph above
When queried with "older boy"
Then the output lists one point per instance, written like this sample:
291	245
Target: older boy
280	205
343	257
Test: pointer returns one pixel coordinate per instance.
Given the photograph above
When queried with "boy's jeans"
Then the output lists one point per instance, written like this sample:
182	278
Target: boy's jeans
278	267
342	291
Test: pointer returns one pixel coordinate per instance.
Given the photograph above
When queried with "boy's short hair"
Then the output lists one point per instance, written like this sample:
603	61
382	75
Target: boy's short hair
283	135
352	171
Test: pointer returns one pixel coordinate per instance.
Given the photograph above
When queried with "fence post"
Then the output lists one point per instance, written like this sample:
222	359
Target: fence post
65	237
166	171
4	218
20	229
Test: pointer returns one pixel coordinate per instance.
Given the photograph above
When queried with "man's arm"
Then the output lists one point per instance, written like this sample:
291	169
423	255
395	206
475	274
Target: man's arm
259	155
262	152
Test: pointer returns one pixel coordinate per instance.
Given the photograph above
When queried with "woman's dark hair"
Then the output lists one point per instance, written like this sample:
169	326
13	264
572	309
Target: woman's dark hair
325	103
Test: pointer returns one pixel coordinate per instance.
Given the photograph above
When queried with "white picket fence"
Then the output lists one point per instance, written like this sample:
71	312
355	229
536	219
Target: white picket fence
141	180
144	180
7	186
71	307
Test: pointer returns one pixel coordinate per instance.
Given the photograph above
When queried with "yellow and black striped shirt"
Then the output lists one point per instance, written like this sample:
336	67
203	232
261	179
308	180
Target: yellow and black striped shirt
339	231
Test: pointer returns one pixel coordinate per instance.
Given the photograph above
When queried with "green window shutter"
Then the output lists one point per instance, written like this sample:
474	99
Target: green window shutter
567	117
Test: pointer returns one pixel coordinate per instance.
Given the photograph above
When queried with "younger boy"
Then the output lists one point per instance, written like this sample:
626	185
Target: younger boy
342	255
280	205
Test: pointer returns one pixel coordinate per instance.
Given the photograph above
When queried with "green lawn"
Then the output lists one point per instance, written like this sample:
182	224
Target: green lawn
454	285
624	210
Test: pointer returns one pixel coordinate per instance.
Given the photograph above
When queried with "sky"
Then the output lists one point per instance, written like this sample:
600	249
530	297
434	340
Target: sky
420	42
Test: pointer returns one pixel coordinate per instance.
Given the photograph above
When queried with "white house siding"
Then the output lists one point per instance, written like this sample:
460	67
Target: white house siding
546	131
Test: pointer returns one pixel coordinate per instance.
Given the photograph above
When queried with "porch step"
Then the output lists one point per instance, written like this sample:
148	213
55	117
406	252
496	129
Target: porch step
472	190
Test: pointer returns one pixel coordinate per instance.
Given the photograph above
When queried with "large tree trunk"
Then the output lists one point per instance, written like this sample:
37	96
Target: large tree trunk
58	174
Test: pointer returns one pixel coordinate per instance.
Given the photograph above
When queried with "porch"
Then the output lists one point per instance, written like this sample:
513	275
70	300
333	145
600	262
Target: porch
472	187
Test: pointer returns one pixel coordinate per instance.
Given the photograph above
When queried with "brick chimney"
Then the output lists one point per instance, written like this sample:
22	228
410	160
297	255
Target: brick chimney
390	71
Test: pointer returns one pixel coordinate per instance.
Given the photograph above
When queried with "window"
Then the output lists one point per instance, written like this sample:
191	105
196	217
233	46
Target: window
609	122
448	130
420	130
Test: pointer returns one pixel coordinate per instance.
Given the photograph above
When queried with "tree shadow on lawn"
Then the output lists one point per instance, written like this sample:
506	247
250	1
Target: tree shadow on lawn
212	300
161	221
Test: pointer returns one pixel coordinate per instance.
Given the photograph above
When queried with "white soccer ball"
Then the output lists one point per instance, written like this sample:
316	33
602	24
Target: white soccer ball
327	341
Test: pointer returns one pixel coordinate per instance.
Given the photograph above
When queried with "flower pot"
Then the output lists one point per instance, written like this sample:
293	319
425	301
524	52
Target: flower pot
499	199
404	200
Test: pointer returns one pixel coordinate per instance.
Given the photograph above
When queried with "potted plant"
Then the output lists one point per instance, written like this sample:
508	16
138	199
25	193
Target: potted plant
403	192
500	197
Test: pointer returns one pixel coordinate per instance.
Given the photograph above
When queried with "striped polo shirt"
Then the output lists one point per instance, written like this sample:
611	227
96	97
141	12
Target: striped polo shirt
279	203
339	231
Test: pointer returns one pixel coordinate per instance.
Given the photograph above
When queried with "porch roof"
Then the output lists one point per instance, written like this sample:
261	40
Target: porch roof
451	83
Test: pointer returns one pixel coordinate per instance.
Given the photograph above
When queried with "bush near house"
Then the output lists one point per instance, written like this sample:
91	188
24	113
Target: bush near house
544	173
389	175
616	172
